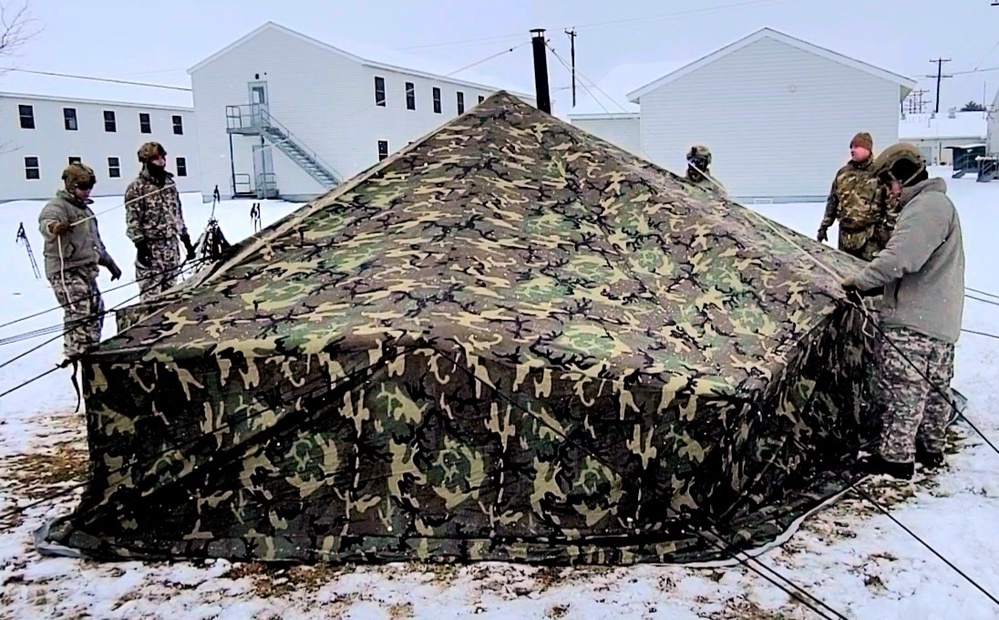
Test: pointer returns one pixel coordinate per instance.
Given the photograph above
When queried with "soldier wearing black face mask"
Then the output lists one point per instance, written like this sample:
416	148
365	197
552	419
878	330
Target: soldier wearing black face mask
699	169
155	223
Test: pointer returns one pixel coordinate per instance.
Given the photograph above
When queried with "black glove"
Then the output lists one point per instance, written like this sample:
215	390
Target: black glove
856	294
822	236
186	239
143	257
113	268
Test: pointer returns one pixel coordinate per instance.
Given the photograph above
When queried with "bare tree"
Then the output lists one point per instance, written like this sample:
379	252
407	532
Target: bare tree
17	26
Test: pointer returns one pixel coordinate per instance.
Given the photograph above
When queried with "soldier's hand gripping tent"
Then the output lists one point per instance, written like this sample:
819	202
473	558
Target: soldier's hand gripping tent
509	341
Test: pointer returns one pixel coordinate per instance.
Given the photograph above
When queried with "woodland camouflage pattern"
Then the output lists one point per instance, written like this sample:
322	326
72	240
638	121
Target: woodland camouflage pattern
509	341
153	215
854	200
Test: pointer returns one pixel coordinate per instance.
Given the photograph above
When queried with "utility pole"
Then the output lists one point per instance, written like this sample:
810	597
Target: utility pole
572	57
939	62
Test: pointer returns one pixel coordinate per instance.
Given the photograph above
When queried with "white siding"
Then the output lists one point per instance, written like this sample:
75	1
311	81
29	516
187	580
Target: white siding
53	144
324	98
622	131
777	119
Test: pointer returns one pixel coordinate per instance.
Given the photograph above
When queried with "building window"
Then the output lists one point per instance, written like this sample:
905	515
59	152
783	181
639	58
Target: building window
410	96
382	149
69	119
181	166
31	169
178	125
144	125
380	91
461	102
74	160
437	100
27	114
110	123
114	168
481	98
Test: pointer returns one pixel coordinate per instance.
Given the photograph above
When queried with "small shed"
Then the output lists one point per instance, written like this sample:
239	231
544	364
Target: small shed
965	158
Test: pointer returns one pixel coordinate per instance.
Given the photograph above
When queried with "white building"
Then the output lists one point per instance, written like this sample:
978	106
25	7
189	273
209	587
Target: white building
282	114
933	133
777	113
604	110
40	135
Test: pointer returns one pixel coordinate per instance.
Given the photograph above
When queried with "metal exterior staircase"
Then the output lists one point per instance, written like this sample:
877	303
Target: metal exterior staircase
255	120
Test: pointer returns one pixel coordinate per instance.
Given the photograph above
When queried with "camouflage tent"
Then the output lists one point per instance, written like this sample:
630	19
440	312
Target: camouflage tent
509	341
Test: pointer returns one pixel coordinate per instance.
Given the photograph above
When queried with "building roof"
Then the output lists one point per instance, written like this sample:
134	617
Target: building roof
609	95
905	84
87	101
378	58
57	88
964	125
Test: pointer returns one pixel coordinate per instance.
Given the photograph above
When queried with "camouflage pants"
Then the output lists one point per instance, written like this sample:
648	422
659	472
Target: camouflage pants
860	242
914	409
83	308
161	274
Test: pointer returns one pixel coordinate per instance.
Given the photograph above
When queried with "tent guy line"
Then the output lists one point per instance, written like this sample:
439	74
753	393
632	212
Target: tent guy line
949	563
27	335
716	540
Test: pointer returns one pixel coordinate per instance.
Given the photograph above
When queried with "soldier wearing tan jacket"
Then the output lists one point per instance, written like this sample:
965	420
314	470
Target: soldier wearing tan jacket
854	201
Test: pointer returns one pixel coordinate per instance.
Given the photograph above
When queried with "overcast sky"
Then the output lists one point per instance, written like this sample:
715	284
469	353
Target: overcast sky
158	41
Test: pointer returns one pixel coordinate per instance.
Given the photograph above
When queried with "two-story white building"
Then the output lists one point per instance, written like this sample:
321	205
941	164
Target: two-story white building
284	115
777	113
41	135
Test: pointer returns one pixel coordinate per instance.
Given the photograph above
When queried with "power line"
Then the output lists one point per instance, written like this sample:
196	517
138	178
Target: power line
710	9
97	79
464	42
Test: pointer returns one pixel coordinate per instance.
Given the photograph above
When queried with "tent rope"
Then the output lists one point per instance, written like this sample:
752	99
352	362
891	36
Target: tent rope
888	514
921	373
715	540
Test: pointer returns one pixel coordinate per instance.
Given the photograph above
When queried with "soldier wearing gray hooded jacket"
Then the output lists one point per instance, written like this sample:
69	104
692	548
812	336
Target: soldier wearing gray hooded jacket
73	251
920	274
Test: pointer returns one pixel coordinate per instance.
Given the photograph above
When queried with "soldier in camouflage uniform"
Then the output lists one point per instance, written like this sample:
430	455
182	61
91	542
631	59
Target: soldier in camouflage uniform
73	251
853	200
699	169
921	275
154	221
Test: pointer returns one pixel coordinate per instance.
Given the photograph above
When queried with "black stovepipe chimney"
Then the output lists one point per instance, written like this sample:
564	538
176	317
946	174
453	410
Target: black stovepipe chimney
541	70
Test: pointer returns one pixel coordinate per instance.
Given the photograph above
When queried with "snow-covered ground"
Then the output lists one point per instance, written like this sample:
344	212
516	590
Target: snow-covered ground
853	558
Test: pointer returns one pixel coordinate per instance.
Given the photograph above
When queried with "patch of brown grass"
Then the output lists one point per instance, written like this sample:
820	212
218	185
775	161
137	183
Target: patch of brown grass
275	580
65	463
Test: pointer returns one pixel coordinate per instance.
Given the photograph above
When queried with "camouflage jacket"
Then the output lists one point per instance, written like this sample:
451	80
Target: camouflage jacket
708	185
81	245
153	211
853	198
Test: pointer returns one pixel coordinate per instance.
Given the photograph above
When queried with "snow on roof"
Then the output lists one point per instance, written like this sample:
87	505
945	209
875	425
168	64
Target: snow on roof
928	127
611	95
370	55
18	84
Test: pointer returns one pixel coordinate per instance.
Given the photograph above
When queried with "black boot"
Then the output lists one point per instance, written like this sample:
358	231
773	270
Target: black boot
876	466
929	460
